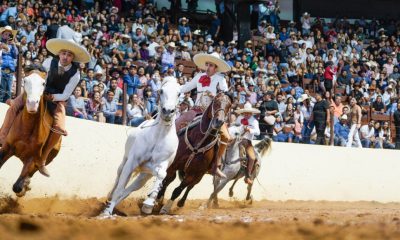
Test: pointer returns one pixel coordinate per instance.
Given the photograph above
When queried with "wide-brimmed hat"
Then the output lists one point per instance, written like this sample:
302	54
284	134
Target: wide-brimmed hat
171	44
273	29
303	97
125	36
247	108
183	19
149	20
202	58
55	45
8	29
210	40
343	117
306	14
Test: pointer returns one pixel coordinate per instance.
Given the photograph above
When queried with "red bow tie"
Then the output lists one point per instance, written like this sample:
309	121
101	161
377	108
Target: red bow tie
244	121
205	81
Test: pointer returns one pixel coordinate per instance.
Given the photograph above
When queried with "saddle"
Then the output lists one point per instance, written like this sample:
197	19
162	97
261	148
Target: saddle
190	125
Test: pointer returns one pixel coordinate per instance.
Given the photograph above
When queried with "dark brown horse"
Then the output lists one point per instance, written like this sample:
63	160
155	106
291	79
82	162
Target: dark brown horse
197	151
28	138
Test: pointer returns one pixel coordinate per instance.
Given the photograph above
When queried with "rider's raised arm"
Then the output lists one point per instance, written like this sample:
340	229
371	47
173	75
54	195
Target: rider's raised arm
189	86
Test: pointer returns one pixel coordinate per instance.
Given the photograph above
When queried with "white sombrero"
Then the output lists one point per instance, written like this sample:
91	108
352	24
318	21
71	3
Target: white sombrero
247	108
8	29
55	45
201	59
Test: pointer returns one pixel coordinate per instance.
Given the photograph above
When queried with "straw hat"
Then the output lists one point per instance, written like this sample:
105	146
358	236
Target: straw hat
55	45
303	97
247	108
210	40
201	59
273	29
148	20
171	44
183	19
343	117
8	29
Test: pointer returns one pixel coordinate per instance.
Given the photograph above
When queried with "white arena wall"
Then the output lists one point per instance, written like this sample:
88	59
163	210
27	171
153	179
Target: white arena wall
87	163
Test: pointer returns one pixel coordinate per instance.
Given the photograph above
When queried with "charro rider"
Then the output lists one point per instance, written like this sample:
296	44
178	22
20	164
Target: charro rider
250	129
207	85
62	78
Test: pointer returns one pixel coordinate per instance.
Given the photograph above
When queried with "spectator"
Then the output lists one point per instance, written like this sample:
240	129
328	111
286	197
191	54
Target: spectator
9	54
110	107
76	105
341	131
94	108
136	111
386	136
378	106
320	117
355	124
367	133
268	108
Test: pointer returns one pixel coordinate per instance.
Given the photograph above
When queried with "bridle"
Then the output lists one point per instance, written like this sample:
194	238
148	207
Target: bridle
209	132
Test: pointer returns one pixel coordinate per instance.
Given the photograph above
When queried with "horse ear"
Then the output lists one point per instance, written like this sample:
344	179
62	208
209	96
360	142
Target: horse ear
230	95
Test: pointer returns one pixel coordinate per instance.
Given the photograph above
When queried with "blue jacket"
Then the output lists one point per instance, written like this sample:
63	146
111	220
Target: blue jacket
132	82
341	130
9	58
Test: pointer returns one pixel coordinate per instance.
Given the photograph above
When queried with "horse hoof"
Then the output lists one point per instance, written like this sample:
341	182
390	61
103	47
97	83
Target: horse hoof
21	193
250	200
181	203
164	211
230	193
147	209
44	171
104	215
215	205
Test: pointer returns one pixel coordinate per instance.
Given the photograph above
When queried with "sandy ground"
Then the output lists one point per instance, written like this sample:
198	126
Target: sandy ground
52	218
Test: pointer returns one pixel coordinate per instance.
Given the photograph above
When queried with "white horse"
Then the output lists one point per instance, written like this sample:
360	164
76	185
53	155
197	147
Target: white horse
149	150
233	165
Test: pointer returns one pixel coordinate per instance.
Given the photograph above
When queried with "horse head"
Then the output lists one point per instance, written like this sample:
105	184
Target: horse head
220	108
34	84
168	97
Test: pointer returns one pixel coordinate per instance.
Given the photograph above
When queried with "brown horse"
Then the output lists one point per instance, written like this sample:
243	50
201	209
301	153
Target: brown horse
28	138
197	151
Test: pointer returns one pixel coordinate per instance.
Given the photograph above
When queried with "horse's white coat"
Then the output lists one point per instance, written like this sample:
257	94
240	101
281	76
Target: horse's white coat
149	150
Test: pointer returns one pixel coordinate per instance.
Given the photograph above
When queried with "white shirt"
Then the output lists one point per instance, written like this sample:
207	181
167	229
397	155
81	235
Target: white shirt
366	133
217	80
253	126
70	87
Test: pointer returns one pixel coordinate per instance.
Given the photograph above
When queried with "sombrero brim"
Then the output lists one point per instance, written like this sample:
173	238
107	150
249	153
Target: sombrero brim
201	59
146	20
13	32
55	45
252	110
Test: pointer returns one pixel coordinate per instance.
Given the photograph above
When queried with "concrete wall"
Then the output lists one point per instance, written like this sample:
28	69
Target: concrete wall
90	155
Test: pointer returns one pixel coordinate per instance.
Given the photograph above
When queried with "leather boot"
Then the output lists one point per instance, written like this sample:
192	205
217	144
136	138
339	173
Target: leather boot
250	164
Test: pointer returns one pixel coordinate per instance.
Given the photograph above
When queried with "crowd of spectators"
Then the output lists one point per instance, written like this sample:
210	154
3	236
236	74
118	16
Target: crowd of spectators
297	73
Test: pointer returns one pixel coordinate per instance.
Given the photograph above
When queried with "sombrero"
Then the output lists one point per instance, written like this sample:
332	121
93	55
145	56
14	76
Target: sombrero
55	45
148	20
247	108
9	29
201	59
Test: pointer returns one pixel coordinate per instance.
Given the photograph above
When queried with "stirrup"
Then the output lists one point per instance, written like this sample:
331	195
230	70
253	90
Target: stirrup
43	170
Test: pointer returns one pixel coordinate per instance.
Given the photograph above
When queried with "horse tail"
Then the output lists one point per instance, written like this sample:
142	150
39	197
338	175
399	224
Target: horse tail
264	146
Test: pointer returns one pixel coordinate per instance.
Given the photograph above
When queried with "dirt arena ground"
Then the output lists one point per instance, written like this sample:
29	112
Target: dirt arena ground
51	218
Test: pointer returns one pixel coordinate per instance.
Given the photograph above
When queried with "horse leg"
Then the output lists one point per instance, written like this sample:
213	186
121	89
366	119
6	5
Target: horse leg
171	175
231	188
249	197
160	172
5	154
119	171
123	179
218	186
182	201
19	185
175	194
138	183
